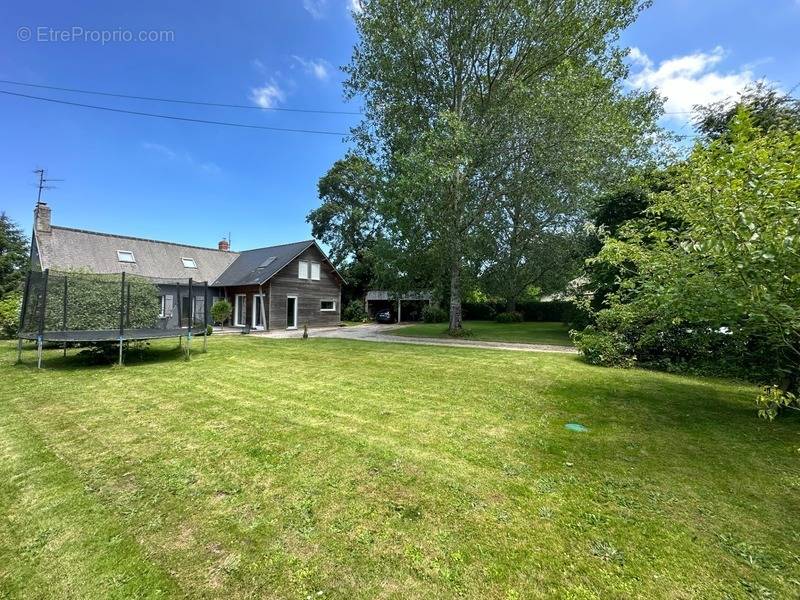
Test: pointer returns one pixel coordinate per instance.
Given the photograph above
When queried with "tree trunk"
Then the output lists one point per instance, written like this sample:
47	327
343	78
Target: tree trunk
455	294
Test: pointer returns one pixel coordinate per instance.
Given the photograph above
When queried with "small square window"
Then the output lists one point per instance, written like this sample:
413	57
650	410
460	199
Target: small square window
327	305
125	256
189	263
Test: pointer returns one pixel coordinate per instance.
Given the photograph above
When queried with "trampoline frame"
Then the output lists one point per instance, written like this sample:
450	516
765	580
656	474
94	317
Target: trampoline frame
120	335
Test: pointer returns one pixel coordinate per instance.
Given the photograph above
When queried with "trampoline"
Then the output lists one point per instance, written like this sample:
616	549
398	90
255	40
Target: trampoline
88	308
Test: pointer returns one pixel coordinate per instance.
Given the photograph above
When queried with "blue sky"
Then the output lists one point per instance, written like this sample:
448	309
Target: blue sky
195	183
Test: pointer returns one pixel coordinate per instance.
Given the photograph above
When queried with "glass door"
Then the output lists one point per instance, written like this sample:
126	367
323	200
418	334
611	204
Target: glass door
291	312
258	322
239	310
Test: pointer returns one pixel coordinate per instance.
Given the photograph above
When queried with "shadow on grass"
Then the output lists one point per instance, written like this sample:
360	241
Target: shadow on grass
673	407
81	359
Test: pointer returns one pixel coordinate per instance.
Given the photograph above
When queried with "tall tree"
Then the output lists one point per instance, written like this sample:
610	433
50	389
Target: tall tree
459	92
347	220
13	255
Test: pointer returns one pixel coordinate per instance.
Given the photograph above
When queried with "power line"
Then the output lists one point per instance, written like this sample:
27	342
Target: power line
178	101
174	117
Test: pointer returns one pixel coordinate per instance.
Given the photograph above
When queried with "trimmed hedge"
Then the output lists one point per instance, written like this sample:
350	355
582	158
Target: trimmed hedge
558	310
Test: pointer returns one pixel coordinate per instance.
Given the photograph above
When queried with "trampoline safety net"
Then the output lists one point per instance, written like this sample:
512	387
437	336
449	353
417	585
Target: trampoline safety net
87	307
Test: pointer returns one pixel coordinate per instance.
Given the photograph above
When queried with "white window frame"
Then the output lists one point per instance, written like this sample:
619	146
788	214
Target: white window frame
296	304
185	259
302	269
327	309
314	266
121	253
236	316
257	313
162	311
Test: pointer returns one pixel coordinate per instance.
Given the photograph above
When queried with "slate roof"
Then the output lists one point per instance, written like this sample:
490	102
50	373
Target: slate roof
67	249
258	265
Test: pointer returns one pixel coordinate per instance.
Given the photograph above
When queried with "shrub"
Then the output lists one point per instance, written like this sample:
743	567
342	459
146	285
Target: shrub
605	348
9	314
221	311
209	330
354	311
434	314
509	317
772	401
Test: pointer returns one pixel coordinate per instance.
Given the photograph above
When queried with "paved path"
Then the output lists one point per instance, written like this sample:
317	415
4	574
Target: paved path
372	332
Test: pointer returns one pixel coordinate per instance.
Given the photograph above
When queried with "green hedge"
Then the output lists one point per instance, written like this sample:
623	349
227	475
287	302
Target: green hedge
558	310
93	302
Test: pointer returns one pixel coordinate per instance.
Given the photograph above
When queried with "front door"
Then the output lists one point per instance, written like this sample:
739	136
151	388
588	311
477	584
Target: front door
258	322
291	312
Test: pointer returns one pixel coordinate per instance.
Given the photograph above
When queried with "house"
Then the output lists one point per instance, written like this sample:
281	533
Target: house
276	287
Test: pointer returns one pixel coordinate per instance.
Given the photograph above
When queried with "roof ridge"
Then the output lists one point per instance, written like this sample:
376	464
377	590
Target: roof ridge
309	241
141	239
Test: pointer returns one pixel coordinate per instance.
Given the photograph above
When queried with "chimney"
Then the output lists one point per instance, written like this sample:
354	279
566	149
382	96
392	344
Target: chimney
41	218
223	245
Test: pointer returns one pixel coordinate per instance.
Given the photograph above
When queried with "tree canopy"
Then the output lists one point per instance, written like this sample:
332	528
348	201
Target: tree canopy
13	255
717	255
488	122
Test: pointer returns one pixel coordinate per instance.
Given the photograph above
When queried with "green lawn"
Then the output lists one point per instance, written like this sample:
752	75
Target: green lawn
520	333
345	469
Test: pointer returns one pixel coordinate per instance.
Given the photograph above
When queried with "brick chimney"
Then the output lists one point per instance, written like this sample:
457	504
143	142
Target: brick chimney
223	245
41	218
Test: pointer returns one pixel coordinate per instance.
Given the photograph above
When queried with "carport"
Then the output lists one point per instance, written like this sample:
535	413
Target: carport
377	300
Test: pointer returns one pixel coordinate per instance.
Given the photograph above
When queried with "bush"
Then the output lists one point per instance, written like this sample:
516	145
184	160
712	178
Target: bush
209	330
221	311
563	311
509	317
434	314
608	349
9	314
354	311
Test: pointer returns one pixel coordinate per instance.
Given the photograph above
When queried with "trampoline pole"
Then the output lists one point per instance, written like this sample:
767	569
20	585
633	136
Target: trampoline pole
64	323
205	316
39	352
121	316
22	311
190	324
42	314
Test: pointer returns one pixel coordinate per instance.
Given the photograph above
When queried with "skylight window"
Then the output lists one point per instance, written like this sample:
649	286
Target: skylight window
189	263
266	262
125	256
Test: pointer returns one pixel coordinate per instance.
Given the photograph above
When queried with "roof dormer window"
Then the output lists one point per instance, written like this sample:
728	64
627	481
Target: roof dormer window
188	262
125	256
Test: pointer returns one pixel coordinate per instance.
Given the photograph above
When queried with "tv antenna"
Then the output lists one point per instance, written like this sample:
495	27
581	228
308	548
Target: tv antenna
44	184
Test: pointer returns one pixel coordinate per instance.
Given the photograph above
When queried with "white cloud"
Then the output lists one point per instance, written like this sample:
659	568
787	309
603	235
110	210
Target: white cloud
268	95
185	158
357	8
159	149
316	8
318	67
685	81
